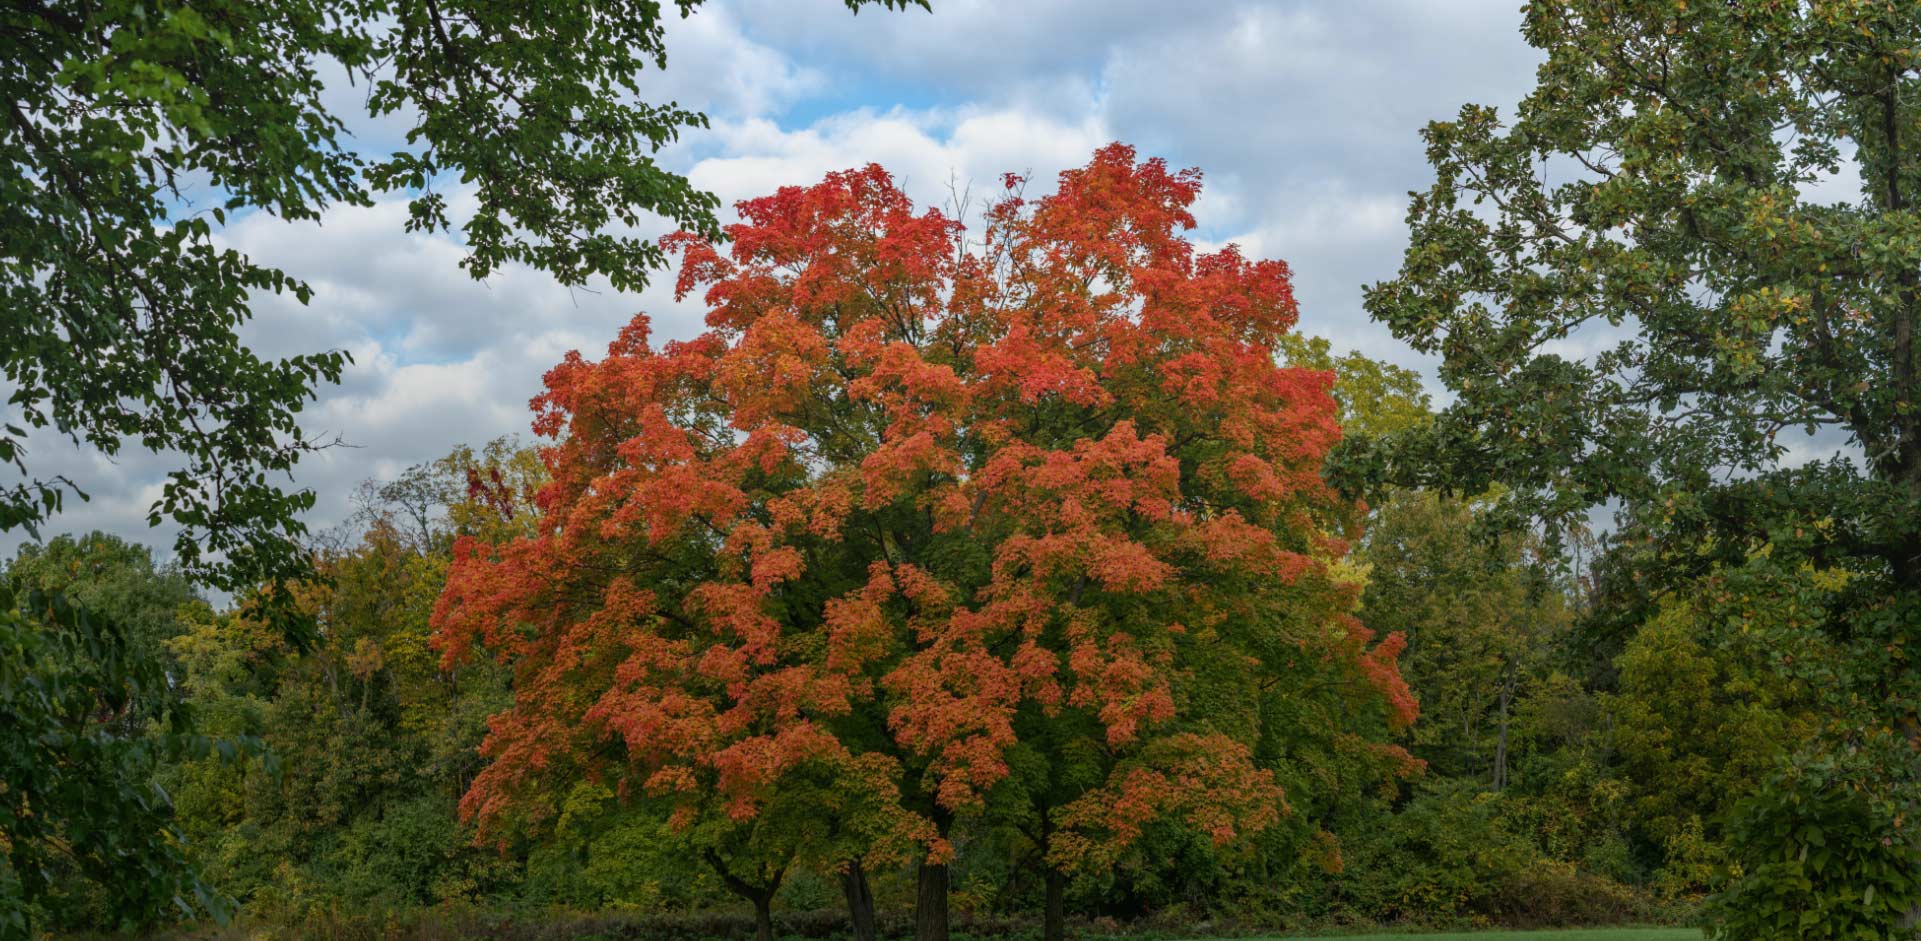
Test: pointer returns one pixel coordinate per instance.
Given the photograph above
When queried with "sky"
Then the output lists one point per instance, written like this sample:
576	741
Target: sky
1304	116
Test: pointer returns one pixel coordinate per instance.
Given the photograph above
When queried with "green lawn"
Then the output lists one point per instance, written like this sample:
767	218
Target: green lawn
1579	934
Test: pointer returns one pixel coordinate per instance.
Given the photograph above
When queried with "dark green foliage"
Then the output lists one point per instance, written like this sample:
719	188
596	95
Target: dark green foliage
1447	857
1826	860
1644	287
91	718
84	721
135	128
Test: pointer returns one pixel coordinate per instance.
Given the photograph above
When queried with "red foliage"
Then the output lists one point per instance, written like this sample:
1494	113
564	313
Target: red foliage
907	487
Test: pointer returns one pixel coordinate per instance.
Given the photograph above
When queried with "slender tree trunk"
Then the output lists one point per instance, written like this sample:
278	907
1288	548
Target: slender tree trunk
1500	742
1054	911
860	900
930	902
1054	916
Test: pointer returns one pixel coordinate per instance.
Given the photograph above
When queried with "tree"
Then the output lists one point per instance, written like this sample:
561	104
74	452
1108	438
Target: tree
1478	611
371	741
88	712
1641	290
911	495
122	305
114	579
1721	306
1700	721
1376	398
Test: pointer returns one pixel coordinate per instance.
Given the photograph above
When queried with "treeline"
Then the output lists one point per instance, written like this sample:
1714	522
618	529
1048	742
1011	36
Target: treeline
1585	734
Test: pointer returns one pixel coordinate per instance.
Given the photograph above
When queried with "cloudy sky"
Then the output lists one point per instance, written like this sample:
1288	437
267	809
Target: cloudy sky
1303	114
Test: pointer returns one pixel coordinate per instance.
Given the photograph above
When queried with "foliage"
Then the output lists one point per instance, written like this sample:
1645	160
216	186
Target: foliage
816	578
84	720
1442	862
121	302
1661	317
1013	553
371	741
115	580
1376	398
352	822
1827	859
1479	610
1699	729
1732	306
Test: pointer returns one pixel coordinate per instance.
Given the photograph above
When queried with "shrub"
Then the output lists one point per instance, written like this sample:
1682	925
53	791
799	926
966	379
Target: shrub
1824	860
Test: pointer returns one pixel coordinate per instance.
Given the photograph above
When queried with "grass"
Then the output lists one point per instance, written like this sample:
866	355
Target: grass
1576	934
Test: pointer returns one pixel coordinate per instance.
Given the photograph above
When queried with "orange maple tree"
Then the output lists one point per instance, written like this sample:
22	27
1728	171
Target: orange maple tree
806	577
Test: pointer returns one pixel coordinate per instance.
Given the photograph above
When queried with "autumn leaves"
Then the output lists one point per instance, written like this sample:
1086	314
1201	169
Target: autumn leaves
931	525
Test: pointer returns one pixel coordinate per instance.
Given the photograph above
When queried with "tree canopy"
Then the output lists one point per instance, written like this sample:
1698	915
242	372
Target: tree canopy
135	130
1690	261
909	491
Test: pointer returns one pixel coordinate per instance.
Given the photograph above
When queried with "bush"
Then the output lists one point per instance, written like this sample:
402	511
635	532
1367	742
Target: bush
1822	860
1438	861
450	924
1557	894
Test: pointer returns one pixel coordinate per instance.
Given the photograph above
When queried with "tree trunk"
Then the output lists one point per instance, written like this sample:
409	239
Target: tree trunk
1500	742
1054	917
764	917
930	903
1054	911
930	885
860	900
760	893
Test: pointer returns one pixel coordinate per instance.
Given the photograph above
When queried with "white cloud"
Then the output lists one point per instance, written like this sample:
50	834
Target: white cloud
925	151
713	66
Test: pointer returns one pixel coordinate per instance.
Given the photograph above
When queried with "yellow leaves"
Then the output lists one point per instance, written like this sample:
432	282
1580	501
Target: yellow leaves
1350	573
1830	580
366	659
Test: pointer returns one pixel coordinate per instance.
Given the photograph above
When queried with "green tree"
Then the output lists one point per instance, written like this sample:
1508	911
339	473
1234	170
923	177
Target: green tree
1480	612
1699	722
114	579
372	741
1376	397
77	807
88	711
1676	240
121	304
1647	284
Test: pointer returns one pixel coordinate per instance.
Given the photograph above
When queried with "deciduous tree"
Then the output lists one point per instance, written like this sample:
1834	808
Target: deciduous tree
910	494
1696	241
